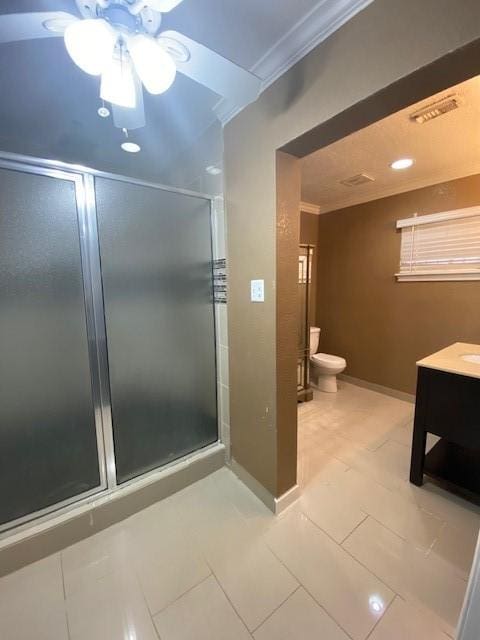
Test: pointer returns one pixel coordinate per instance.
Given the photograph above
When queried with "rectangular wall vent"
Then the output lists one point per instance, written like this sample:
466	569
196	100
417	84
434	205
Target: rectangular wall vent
356	181
435	109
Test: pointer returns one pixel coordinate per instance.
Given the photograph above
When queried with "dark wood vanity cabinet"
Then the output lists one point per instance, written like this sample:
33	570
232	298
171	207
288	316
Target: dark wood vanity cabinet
448	406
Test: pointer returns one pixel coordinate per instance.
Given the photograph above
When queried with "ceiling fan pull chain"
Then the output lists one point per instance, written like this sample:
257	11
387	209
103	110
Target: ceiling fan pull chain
103	112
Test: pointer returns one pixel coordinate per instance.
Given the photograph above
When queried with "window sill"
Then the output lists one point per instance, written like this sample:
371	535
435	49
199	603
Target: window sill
438	276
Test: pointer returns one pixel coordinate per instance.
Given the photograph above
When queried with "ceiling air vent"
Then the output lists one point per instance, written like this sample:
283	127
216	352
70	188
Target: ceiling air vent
435	109
356	181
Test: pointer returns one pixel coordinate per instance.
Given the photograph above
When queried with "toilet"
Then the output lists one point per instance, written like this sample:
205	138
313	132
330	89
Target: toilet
324	368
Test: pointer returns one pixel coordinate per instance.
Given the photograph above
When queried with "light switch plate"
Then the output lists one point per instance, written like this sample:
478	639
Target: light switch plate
257	290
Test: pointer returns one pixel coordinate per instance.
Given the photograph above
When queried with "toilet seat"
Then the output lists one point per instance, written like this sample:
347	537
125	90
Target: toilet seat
327	361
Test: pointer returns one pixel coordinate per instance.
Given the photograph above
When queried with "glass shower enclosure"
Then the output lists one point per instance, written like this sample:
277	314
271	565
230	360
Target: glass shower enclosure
305	261
107	336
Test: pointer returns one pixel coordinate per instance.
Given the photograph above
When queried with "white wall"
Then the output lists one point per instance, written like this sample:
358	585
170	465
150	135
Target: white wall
469	626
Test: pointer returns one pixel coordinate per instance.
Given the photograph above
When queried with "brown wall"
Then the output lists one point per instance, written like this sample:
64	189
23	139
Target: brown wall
309	235
382	44
381	326
308	228
288	237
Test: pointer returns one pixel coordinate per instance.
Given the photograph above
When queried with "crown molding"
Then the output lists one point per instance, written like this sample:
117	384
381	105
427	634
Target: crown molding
320	22
427	180
307	207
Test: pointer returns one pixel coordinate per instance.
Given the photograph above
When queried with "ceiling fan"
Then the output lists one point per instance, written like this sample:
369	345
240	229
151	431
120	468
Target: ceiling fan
121	41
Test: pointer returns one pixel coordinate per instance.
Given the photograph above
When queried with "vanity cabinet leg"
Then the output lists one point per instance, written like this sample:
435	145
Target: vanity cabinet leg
418	456
419	441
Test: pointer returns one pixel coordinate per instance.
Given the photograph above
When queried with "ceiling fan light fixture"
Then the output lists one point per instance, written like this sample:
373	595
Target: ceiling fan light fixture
90	44
118	84
153	64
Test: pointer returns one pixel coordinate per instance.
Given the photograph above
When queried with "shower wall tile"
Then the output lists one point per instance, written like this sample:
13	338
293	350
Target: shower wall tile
221	320
218	227
223	400
225	438
223	365
224	404
221	314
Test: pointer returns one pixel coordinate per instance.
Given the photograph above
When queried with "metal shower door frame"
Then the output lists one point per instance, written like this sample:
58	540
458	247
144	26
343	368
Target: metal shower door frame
84	181
90	296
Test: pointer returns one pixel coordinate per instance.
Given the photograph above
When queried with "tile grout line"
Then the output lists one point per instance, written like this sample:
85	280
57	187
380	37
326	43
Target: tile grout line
371	478
441	518
142	593
356	559
230	602
404	598
408	597
317	526
172	602
418	547
63	577
395	491
411	503
64	596
370	570
299	586
308	591
390	604
354	529
157	632
419	608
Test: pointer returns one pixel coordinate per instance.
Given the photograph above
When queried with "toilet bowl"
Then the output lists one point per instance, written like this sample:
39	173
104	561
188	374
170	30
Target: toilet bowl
324	367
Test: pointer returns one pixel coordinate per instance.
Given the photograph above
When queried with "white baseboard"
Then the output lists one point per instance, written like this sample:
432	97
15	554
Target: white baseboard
394	393
276	505
287	499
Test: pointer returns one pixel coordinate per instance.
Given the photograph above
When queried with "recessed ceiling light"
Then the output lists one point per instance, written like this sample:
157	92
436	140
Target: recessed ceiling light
131	147
402	163
213	170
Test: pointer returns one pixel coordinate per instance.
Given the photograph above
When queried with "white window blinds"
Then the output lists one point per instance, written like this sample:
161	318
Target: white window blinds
441	246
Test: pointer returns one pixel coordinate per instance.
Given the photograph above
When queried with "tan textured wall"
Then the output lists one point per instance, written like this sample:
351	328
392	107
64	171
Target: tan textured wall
288	237
381	326
387	41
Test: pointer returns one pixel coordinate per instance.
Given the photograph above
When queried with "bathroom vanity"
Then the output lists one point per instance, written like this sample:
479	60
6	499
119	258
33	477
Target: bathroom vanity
448	406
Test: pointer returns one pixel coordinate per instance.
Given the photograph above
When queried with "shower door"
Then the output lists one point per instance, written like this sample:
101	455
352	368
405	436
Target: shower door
50	439
107	339
156	258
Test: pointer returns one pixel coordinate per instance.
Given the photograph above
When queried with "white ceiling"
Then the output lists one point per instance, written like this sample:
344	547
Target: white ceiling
48	105
445	148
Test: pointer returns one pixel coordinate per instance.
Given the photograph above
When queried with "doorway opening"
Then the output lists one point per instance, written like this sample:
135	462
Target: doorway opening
393	212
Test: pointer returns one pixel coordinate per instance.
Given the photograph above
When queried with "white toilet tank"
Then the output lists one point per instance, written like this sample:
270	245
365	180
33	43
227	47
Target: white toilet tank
314	339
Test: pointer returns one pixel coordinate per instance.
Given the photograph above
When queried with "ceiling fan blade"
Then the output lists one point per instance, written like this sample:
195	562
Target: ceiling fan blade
28	26
213	70
163	6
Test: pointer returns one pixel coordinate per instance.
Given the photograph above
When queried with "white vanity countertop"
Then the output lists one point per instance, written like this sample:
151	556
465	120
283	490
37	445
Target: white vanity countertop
450	360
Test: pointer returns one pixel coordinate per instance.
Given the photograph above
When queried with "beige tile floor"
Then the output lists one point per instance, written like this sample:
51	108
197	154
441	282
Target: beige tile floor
362	554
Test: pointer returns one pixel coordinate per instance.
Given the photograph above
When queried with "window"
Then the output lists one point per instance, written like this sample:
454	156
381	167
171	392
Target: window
441	246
